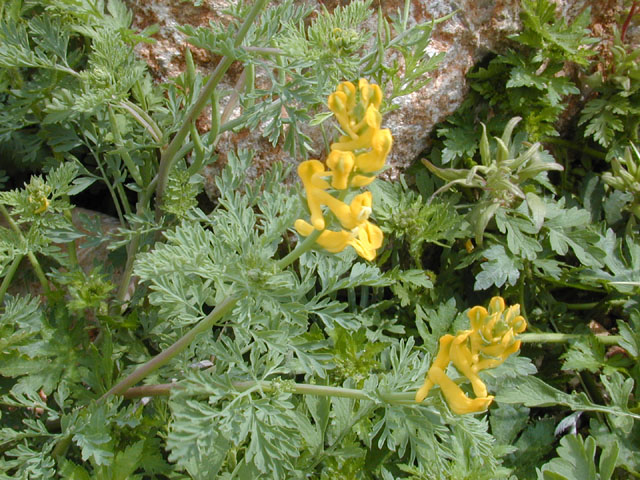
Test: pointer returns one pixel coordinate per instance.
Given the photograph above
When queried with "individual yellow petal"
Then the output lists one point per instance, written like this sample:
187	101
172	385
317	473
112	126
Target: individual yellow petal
307	170
496	305
358	181
42	203
374	234
341	164
519	324
513	318
456	398
423	391
349	90
361	206
303	228
341	210
441	361
476	316
468	246
374	160
368	240
489	363
371	94
334	242
338	105
463	360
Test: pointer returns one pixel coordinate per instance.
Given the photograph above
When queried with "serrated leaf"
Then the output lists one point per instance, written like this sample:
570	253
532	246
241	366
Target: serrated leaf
571	229
584	354
631	334
576	460
533	392
499	269
518	232
538	209
126	462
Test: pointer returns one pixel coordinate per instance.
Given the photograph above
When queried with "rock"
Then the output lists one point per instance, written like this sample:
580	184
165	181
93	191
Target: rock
478	27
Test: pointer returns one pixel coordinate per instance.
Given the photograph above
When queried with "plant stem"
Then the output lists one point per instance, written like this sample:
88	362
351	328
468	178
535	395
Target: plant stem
166	355
9	276
132	249
392	398
566	337
627	21
303	247
32	258
143	119
168	156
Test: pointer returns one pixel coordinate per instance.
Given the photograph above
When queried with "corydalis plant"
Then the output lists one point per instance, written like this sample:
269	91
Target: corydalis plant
352	164
500	176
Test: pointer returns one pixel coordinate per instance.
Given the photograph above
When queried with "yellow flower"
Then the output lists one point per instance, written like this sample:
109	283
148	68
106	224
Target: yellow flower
341	164
370	124
309	174
367	238
487	344
373	160
352	163
362	235
331	241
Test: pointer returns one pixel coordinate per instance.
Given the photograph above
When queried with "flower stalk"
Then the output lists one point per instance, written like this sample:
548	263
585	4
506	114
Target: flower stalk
567	337
391	398
214	318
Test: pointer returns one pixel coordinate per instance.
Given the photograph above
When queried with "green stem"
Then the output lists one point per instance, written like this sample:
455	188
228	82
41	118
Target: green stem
143	119
166	355
582	306
39	272
392	398
168	156
32	258
132	249
112	192
9	276
123	199
71	246
303	247
567	337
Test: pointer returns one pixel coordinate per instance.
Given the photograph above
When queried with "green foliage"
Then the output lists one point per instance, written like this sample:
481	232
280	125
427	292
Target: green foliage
611	117
576	460
307	367
529	81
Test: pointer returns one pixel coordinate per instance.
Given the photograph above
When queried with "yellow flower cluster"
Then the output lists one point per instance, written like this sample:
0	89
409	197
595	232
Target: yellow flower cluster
487	344
352	163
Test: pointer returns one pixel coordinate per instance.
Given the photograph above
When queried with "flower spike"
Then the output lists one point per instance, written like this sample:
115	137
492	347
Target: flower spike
352	164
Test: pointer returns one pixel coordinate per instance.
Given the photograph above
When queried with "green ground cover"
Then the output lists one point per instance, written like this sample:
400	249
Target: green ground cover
476	319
